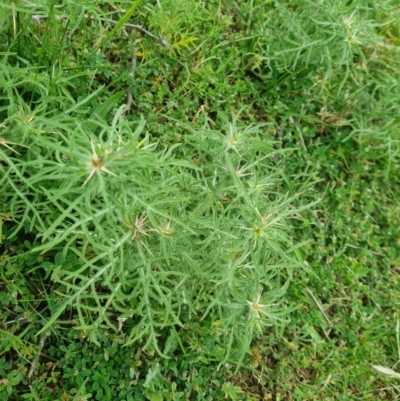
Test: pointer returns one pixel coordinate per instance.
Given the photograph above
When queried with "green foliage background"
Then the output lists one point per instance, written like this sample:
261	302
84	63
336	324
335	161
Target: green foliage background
258	160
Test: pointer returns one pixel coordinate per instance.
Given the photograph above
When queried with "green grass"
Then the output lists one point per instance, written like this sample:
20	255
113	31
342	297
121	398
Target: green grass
231	231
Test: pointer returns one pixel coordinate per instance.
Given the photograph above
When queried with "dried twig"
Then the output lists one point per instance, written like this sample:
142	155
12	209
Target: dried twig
130	101
357	247
41	344
319	306
163	42
298	129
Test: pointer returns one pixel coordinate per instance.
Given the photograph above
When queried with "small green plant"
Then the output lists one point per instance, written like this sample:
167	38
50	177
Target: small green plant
75	367
9	381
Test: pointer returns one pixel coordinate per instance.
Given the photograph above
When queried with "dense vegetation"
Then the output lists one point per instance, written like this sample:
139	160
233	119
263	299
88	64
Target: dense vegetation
199	200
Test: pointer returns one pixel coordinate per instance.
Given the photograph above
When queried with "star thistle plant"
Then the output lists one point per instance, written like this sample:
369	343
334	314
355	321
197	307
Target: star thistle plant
96	164
138	230
151	232
257	309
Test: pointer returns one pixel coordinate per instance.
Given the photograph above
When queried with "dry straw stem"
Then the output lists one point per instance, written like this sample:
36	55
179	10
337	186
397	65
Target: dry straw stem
41	345
161	41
